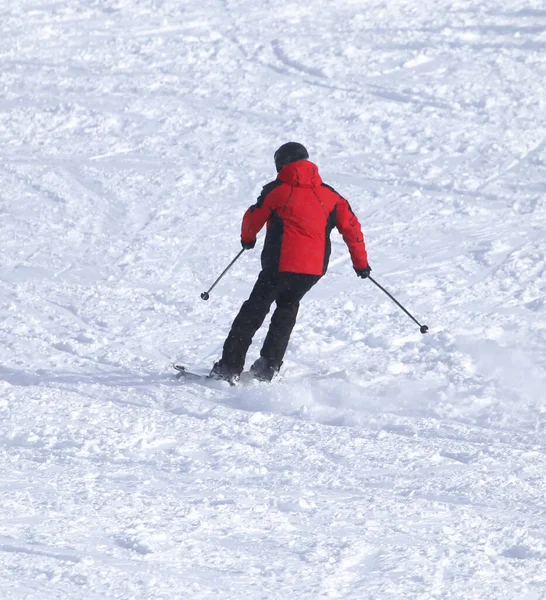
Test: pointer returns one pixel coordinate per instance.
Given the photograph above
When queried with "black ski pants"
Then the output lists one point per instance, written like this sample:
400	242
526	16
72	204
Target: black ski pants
286	289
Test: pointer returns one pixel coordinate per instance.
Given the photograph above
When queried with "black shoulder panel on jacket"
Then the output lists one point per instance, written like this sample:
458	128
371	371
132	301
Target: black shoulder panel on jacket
331	189
336	192
269	187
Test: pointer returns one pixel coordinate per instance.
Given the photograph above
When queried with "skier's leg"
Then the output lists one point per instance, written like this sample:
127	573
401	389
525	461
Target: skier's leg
295	286
248	321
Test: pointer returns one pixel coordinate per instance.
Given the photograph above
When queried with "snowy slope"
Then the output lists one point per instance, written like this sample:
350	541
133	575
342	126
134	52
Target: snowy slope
386	464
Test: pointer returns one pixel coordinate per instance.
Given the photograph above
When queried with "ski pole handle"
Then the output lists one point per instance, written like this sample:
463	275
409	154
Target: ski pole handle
206	295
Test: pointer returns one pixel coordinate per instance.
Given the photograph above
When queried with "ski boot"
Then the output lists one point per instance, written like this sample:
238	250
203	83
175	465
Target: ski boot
223	372
262	370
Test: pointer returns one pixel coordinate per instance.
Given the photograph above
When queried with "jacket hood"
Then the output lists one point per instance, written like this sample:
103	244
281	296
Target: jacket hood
301	173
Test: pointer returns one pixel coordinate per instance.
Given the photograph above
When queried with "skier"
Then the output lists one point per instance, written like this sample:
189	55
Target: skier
300	211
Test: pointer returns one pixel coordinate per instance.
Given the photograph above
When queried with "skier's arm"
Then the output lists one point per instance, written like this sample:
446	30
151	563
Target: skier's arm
257	215
348	225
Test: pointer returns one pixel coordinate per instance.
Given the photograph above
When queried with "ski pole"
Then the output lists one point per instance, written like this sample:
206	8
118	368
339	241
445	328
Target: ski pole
423	328
205	295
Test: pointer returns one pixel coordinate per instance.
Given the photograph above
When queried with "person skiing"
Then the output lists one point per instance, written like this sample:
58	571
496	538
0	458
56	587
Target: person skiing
300	212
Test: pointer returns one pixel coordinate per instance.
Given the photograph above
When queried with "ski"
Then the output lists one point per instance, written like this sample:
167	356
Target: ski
183	373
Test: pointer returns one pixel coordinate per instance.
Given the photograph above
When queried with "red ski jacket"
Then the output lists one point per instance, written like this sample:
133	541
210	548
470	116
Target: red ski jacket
301	211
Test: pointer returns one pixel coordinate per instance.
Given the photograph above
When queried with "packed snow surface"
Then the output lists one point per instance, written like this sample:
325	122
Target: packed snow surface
385	464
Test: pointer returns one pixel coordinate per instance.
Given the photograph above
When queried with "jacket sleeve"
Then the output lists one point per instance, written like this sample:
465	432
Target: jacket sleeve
349	227
258	214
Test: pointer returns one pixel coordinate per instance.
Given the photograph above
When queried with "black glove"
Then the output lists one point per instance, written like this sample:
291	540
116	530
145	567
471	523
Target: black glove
364	273
248	245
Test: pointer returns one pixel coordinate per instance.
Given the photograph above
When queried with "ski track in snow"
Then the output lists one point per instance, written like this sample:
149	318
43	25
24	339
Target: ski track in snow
384	464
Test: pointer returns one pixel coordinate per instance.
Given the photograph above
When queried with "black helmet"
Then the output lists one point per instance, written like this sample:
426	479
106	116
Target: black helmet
288	153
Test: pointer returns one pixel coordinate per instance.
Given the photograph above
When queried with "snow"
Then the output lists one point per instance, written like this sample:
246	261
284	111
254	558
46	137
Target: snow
385	464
